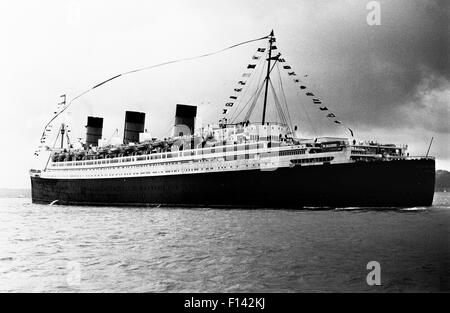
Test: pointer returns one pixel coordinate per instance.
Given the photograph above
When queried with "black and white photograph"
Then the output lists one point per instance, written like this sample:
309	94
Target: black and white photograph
225	151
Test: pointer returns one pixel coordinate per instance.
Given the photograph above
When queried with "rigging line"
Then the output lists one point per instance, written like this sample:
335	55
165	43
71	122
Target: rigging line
342	124
304	107
169	130
276	101
252	96
252	107
285	109
249	83
309	119
284	96
196	57
277	112
279	102
54	144
275	108
234	118
57	136
249	100
255	100
277	105
116	132
306	111
147	68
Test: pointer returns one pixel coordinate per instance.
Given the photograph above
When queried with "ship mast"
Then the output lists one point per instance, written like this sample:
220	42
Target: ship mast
63	130
63	127
271	40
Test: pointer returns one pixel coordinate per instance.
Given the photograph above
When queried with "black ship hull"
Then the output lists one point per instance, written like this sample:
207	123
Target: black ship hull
400	183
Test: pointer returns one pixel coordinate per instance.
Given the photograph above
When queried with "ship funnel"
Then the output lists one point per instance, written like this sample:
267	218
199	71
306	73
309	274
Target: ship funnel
94	130
185	120
134	125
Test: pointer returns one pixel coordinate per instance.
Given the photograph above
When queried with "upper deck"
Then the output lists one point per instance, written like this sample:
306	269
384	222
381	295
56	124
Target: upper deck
259	155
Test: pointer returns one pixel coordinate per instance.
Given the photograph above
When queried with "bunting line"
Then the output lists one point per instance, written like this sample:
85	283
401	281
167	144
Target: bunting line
315	99
147	68
250	68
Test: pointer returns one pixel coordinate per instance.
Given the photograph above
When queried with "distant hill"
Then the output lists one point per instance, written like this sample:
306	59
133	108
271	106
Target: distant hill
15	193
442	180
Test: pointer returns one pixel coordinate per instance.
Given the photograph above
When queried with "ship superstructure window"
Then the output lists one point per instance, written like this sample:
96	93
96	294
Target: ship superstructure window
313	160
292	152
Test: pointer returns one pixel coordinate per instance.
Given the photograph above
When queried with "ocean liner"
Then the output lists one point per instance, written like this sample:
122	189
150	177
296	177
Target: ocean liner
242	161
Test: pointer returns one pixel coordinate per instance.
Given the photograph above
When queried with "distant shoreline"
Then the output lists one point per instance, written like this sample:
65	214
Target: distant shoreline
15	192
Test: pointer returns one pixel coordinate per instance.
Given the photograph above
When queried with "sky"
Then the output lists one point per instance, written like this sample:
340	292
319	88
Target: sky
388	82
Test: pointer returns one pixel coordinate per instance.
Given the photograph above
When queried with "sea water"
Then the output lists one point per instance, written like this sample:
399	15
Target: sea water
110	249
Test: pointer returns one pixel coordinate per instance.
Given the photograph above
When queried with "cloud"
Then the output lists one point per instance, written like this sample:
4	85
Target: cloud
430	106
390	81
382	76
